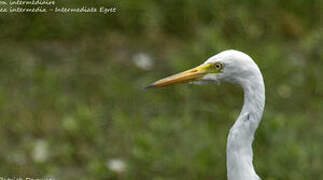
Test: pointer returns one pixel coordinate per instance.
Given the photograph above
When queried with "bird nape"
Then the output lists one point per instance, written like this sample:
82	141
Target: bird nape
235	67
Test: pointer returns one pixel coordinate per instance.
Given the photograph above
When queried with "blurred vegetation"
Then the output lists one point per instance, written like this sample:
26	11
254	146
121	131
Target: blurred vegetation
73	106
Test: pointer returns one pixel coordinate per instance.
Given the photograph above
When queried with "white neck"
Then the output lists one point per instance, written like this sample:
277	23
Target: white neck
240	138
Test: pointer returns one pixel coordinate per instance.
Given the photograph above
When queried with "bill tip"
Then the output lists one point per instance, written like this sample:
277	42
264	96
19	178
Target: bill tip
149	86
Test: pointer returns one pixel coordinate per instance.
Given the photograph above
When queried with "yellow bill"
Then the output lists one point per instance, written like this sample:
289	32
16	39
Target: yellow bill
186	76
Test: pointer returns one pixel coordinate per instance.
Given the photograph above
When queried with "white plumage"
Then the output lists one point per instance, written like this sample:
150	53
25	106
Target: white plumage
234	67
239	68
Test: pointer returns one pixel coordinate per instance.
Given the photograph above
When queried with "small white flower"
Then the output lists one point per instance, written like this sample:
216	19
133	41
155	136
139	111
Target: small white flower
116	165
40	151
143	61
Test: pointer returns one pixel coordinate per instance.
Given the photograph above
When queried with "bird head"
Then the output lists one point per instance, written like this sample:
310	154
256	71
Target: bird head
229	66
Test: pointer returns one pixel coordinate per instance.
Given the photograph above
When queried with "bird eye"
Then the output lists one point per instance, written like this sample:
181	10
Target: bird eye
218	65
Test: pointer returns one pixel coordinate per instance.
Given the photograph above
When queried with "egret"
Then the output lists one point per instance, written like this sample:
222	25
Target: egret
235	67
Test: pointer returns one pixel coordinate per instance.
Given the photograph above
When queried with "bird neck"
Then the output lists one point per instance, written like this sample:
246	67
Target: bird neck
240	138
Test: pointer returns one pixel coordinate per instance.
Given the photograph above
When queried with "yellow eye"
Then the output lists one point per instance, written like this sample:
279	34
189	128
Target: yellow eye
213	67
218	65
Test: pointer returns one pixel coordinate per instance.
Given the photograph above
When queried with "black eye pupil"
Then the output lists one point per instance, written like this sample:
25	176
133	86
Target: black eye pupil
217	66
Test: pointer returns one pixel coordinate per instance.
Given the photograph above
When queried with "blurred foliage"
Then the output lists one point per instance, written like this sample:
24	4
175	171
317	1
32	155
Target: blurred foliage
73	106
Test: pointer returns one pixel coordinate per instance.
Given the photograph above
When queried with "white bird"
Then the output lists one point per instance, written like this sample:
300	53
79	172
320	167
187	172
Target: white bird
235	67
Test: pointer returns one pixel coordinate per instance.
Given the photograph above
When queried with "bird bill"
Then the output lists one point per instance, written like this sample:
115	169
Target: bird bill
183	77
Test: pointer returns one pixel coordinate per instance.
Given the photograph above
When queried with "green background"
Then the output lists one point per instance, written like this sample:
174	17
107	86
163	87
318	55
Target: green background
72	98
